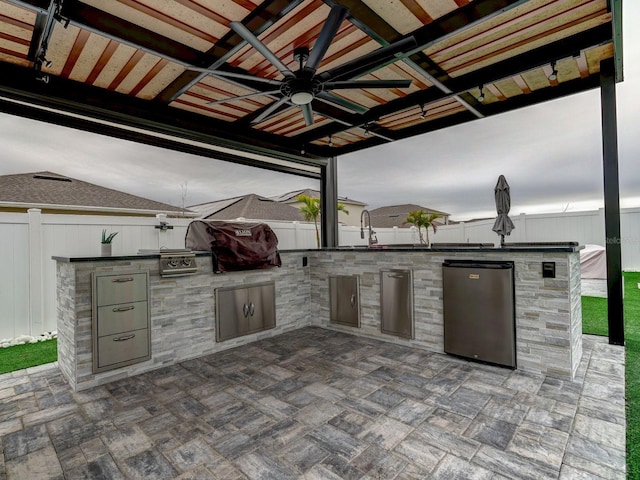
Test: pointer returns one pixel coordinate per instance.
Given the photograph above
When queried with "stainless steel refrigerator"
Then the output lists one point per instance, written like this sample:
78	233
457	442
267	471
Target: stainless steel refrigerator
479	310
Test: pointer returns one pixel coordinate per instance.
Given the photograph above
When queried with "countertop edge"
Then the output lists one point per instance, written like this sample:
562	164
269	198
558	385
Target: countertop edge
112	258
454	249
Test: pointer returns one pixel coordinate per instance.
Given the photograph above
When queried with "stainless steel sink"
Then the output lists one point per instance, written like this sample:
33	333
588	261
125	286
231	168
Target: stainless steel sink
541	245
392	246
399	246
468	245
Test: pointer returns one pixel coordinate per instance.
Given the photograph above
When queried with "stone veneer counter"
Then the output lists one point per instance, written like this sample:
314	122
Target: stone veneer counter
548	310
182	310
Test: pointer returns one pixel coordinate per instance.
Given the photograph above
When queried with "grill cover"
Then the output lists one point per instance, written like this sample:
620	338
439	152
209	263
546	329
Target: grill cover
235	246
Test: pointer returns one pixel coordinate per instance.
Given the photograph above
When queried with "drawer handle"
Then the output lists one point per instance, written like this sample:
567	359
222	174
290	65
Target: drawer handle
124	309
397	275
122	280
122	339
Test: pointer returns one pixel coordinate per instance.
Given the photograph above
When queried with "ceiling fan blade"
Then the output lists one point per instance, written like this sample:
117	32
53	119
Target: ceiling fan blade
307	113
331	99
329	29
251	39
242	97
367	84
242	76
361	65
267	113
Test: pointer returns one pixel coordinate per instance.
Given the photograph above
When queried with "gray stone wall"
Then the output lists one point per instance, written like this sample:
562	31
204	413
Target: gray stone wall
575	297
66	311
182	312
548	311
548	316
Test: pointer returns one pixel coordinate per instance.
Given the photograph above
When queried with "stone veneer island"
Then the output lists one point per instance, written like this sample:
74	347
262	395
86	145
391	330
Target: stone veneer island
548	312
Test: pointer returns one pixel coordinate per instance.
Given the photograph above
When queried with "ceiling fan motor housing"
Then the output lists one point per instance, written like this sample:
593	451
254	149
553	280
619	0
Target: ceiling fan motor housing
301	89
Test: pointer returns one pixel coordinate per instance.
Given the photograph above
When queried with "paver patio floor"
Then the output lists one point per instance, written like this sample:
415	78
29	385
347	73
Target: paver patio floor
320	404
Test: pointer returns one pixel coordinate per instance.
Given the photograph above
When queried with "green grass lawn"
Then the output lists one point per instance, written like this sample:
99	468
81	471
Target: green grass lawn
29	355
594	321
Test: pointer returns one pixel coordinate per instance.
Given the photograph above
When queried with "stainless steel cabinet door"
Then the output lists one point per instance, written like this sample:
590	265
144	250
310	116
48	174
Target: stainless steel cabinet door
231	321
396	302
261	308
244	310
344	300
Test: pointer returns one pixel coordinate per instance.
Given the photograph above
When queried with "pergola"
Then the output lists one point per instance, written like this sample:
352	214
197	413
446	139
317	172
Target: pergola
169	73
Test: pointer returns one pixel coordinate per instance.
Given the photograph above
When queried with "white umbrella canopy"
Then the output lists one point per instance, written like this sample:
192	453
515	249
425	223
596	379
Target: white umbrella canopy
503	225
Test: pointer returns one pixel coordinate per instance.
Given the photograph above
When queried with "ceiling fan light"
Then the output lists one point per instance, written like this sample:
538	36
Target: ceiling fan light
302	98
553	76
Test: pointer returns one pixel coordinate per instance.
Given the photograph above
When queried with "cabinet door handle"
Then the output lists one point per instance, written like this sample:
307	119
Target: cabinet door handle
124	309
126	337
122	280
353	300
245	310
252	309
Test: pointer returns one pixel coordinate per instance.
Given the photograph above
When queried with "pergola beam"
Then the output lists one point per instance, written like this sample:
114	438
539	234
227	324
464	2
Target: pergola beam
563	48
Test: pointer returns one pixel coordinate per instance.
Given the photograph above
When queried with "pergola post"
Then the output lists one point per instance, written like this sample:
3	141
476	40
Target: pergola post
329	203
611	201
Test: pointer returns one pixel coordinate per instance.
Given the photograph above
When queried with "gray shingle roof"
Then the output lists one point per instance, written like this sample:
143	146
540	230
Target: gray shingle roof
395	215
291	197
47	188
249	206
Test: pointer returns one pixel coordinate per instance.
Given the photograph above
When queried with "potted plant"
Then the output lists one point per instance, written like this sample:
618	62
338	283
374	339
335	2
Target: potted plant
106	242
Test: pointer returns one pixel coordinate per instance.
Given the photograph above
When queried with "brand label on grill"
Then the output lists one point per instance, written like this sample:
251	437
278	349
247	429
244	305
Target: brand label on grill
474	276
243	233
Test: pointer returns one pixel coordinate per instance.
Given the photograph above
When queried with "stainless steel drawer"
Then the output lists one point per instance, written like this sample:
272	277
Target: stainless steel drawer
122	288
118	318
123	348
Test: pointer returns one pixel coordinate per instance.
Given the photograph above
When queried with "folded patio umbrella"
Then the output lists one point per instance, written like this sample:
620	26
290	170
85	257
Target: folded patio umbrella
503	225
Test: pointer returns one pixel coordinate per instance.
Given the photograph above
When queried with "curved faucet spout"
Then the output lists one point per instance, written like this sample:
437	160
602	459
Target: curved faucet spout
372	238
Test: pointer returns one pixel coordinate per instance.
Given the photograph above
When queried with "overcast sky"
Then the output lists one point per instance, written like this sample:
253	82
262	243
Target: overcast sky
551	155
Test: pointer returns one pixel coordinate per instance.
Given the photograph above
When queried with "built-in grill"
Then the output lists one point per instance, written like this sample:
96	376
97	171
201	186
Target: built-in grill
235	246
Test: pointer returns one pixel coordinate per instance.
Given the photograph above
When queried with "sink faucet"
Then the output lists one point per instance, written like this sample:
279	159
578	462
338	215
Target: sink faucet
372	238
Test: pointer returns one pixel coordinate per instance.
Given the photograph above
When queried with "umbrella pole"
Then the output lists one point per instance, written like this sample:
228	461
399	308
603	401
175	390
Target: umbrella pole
502	241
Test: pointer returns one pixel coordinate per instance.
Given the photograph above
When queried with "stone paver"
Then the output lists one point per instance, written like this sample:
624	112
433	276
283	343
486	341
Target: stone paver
320	404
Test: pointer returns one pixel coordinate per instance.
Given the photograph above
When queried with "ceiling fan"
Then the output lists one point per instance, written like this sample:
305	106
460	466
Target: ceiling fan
305	85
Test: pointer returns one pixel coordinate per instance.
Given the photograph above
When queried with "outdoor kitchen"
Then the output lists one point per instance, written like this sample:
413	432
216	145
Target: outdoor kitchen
183	311
233	357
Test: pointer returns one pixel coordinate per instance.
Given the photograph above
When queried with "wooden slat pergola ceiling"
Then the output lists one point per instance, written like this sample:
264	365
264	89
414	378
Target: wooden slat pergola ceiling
127	62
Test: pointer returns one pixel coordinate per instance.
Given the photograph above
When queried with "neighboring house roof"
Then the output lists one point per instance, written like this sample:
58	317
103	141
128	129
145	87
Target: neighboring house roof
52	191
292	197
248	206
395	215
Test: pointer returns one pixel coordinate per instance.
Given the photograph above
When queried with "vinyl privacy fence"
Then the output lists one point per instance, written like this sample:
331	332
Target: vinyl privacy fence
29	241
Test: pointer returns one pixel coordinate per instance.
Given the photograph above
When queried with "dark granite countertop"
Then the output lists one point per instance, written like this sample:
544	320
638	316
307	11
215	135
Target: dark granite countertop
559	247
550	247
145	256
